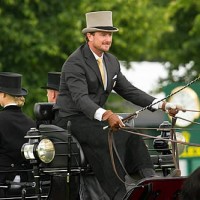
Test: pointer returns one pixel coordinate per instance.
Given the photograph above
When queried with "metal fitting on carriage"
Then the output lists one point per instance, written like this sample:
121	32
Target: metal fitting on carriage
38	148
159	144
163	142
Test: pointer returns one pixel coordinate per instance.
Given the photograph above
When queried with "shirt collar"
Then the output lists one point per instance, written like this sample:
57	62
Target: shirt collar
95	55
10	104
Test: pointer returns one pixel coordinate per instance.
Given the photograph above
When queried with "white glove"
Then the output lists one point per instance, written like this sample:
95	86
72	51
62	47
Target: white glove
171	108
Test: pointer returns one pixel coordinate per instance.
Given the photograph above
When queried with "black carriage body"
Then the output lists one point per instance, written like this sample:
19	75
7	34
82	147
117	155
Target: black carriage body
69	161
68	153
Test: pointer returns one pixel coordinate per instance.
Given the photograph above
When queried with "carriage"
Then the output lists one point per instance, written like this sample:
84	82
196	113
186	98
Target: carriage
56	156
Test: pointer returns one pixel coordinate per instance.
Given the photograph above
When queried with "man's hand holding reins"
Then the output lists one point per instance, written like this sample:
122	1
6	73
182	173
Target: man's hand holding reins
114	120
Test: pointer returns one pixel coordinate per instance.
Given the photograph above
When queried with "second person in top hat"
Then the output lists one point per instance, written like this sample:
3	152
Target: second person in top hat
14	125
52	87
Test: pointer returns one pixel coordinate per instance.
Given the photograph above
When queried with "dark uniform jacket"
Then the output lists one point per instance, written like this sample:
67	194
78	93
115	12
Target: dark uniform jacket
14	125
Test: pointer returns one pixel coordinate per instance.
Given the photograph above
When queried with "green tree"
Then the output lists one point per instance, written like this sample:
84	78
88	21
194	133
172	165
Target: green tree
37	36
180	45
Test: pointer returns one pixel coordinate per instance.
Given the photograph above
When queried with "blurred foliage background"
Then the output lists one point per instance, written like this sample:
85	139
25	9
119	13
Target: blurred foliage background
37	36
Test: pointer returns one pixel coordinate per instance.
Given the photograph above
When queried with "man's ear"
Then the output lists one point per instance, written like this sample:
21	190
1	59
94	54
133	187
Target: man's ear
54	93
4	95
89	36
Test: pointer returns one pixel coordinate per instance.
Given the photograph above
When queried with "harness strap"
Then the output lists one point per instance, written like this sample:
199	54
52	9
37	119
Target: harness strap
111	144
174	145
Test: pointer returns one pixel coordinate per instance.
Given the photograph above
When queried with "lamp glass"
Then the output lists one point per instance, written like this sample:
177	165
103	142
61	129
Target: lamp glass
46	150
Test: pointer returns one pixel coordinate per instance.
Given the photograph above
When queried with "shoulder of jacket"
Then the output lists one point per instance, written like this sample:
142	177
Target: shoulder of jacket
109	55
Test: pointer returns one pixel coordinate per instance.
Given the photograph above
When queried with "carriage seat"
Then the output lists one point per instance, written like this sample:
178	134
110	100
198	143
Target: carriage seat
44	113
44	116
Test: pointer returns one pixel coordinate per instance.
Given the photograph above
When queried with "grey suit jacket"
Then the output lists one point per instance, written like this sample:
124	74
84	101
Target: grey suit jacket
81	87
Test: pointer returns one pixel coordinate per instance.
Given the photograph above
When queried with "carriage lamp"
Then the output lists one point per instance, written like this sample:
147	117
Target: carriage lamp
38	148
163	146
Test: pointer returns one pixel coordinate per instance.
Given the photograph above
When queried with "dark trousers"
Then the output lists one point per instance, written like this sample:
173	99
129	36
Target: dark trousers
62	190
94	142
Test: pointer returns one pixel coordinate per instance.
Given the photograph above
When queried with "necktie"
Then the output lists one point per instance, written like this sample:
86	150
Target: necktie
100	63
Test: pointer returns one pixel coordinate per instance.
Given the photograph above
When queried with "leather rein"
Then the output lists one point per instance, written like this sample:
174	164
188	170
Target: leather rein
111	141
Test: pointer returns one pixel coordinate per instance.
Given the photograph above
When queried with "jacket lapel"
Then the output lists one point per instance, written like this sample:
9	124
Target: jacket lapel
109	72
91	62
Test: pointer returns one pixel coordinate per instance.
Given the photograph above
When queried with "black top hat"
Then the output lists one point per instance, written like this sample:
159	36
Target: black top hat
10	83
53	82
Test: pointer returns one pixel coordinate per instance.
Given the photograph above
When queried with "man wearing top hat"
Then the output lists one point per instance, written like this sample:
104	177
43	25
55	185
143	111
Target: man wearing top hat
59	182
14	125
52	87
84	90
